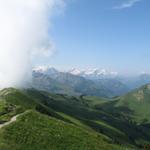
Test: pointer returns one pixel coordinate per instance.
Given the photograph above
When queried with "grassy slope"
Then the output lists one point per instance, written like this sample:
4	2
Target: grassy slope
80	112
34	131
65	130
133	111
139	103
118	121
133	106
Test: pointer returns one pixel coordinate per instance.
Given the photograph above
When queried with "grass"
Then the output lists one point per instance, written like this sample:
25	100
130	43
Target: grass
34	131
56	121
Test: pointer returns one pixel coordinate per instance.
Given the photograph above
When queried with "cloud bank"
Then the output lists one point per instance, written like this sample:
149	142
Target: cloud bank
24	32
127	4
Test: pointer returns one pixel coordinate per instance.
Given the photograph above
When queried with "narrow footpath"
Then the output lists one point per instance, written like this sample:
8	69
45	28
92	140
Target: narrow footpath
13	119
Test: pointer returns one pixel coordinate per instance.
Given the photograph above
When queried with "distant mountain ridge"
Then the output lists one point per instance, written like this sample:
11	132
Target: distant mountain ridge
94	73
52	80
94	82
91	72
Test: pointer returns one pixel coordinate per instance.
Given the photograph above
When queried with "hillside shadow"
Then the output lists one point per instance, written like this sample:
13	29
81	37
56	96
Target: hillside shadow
113	116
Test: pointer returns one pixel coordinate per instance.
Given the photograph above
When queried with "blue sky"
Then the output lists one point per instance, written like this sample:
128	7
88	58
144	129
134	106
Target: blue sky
110	34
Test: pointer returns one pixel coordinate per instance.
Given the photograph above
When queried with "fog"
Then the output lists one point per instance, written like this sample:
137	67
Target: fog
24	32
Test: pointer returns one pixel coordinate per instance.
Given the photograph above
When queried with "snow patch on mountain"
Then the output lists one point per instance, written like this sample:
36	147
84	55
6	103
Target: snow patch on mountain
89	73
93	72
45	70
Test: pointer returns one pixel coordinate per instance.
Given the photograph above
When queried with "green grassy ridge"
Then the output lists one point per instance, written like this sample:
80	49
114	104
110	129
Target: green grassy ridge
138	102
26	101
80	112
78	109
33	131
7	111
12	102
17	97
132	106
133	112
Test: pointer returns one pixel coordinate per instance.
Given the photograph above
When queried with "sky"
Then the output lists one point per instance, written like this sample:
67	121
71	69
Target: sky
110	34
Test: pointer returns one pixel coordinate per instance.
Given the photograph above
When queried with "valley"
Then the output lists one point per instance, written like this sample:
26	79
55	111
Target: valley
59	121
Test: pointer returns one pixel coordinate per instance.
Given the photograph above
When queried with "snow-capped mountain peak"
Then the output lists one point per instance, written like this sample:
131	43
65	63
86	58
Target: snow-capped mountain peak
45	70
75	71
93	72
88	73
40	68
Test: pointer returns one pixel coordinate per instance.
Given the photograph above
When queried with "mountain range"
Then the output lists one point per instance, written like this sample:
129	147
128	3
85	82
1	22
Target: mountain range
94	82
93	73
52	80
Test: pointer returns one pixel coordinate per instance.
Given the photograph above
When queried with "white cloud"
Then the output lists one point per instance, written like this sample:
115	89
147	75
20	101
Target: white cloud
127	4
24	29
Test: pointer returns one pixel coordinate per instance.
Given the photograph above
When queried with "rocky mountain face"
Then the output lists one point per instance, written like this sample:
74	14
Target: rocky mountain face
96	83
